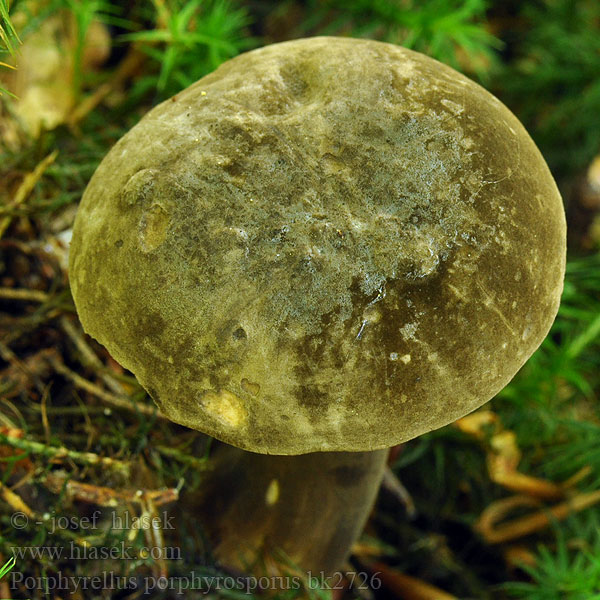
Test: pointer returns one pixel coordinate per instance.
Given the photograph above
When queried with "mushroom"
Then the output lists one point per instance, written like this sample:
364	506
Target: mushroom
322	249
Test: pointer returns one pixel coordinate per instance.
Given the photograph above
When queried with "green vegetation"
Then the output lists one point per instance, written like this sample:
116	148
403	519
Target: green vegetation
70	418
570	568
551	79
8	37
192	39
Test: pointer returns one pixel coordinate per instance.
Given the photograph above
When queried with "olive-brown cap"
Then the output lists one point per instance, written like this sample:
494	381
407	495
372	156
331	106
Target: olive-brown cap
326	244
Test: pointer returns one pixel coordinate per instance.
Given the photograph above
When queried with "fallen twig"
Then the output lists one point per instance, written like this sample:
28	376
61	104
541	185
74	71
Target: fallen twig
105	496
60	452
394	486
154	537
88	355
128	66
24	294
15	501
503	456
198	464
121	402
522	526
407	587
26	187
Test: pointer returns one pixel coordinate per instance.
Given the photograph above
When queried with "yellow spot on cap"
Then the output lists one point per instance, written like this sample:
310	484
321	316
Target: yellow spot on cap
225	407
153	228
405	359
272	494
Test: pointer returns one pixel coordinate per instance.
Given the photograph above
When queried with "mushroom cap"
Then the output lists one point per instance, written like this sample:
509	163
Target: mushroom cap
325	244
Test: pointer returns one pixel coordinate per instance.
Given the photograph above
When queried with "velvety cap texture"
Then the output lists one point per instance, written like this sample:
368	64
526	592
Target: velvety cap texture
326	244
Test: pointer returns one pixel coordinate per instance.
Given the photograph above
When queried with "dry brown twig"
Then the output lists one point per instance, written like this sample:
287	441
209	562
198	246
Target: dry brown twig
89	358
26	373
44	411
105	496
488	527
128	67
24	294
504	455
26	187
120	402
15	501
407	587
154	536
393	484
58	453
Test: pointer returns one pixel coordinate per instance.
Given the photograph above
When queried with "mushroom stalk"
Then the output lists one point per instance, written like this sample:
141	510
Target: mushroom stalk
309	508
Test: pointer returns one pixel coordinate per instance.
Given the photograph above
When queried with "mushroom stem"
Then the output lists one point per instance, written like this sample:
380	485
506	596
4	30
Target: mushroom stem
311	507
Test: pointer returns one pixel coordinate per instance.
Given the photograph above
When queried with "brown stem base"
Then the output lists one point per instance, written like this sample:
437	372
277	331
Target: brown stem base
311	507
